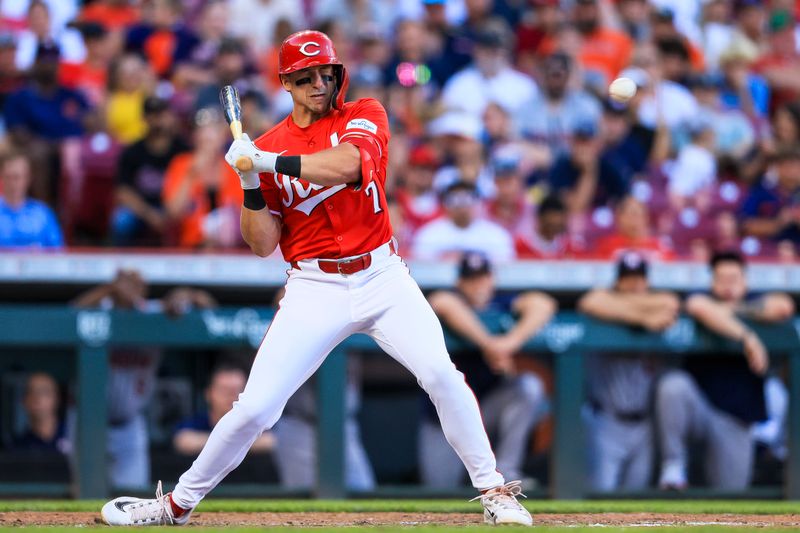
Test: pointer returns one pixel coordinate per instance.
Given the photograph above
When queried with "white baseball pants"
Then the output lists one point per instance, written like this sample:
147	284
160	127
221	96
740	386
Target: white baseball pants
319	311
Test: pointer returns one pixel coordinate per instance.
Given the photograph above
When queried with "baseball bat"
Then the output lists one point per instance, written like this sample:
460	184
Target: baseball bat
232	107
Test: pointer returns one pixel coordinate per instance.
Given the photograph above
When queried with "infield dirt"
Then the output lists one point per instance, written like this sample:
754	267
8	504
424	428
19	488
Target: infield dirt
220	519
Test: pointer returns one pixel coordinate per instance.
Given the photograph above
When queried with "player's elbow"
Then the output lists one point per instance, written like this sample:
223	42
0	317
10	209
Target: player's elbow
262	249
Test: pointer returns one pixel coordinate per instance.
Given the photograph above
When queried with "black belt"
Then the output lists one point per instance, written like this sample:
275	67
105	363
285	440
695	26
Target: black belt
631	417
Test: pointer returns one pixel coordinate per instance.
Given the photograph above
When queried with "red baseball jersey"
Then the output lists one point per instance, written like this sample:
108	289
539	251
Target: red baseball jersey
339	221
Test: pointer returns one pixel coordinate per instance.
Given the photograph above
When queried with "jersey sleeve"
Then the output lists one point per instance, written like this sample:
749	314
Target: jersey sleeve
367	128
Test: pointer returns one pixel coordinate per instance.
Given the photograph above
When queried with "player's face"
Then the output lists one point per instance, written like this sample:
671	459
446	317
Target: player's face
478	290
728	282
224	390
312	88
632	284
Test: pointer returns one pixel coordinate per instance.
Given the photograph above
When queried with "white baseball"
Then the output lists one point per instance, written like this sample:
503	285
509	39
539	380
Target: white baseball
622	89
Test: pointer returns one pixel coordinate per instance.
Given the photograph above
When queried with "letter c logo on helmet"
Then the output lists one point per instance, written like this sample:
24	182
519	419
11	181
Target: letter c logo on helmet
305	52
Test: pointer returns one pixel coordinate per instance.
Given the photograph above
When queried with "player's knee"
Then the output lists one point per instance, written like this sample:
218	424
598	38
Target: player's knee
437	377
673	385
249	418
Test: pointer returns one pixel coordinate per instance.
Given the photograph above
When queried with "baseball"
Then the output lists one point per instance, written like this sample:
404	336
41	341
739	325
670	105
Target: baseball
622	89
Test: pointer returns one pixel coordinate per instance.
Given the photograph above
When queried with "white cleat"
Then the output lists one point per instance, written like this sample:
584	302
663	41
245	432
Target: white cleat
127	511
500	506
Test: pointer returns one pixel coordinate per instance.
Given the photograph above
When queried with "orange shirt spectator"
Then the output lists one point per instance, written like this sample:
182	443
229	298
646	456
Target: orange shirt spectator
201	192
606	51
632	232
112	15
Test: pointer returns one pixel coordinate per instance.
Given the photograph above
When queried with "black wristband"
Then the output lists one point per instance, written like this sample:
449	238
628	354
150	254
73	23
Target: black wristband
288	165
254	200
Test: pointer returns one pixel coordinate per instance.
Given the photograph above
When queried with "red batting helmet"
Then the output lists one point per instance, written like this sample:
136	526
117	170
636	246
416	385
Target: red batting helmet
311	49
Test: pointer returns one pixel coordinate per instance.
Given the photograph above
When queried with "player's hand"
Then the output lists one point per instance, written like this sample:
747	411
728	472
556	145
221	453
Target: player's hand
244	147
756	353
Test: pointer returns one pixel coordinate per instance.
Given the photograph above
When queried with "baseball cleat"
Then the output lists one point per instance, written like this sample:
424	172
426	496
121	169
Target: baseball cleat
127	511
500	506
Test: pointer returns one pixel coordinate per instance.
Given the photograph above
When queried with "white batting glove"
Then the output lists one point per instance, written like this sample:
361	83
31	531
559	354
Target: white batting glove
244	147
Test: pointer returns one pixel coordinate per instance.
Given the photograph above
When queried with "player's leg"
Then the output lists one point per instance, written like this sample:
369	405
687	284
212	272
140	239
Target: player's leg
440	466
513	409
729	452
308	324
607	451
406	327
681	412
639	467
129	452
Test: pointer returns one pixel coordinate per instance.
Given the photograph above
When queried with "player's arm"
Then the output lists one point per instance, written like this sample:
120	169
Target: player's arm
459	317
189	441
261	229
654	311
772	307
722	320
535	309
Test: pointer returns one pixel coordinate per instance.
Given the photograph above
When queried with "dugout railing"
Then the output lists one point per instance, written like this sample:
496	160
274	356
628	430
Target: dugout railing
568	337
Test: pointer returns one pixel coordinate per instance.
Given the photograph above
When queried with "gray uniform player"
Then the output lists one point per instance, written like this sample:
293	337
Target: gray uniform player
716	398
621	385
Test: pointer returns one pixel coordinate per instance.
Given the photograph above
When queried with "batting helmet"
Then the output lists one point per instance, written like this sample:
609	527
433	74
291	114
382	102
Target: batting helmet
310	48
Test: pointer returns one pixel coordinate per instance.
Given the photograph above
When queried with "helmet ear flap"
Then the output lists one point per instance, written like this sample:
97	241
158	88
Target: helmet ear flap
342	83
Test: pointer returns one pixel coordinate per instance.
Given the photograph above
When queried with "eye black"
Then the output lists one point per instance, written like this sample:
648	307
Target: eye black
302	81
327	78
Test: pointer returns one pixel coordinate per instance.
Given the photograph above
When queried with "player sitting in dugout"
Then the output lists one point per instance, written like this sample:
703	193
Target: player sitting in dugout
511	399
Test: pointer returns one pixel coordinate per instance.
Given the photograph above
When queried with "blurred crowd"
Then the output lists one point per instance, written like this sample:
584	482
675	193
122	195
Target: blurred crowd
503	139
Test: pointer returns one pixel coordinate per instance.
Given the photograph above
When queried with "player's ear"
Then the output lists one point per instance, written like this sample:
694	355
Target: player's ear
287	85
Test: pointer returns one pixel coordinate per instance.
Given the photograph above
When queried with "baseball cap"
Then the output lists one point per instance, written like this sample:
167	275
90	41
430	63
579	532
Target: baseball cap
505	160
423	156
631	263
458	123
474	264
494	34
780	20
585	130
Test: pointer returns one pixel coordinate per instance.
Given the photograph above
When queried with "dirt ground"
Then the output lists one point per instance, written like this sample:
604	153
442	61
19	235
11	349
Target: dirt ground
410	519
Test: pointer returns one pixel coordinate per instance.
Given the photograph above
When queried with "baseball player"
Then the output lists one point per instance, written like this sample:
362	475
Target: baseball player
620	385
317	190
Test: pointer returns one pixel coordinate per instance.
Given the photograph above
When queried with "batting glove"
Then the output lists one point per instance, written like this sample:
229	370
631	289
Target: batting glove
244	147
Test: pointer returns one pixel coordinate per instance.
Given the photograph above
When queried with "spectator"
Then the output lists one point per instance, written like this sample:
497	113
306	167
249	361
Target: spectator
716	398
742	89
633	19
46	431
621	385
604	52
511	400
664	32
694	173
24	222
458	135
558	111
549	239
224	387
772	211
41	32
202	195
46	118
89	76
584	179
162	38
460	230
231	67
211	32
511	206
116	16
418	203
717	30
536	33
140	218
779	65
131	81
674	60
132	372
255	20
11	78
734	135
632	232
490	78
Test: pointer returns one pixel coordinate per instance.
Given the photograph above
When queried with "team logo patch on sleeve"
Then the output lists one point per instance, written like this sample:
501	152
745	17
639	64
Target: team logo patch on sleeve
362	124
